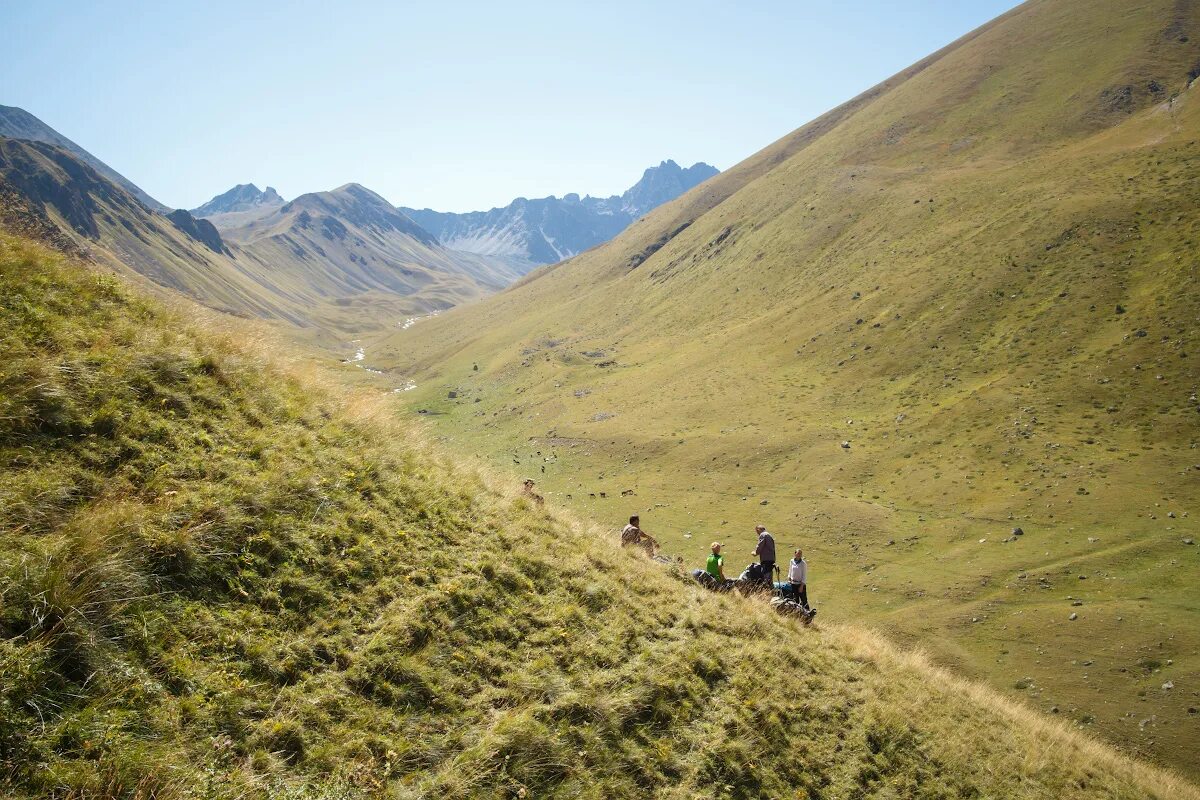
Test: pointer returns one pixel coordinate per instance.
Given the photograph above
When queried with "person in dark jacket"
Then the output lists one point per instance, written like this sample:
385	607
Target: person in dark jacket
765	550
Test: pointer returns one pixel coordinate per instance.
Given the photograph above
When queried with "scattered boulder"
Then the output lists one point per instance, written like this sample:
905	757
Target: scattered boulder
1073	616
1168	685
846	445
1018	532
1189	540
453	395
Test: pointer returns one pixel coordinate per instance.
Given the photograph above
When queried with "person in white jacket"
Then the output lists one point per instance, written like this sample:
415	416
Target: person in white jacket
798	577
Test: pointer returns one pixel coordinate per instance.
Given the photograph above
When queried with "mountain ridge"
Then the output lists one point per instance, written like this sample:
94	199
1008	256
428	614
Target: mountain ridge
243	197
17	123
550	229
326	277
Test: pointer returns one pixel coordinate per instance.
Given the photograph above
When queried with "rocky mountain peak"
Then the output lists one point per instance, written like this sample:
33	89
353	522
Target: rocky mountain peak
663	183
549	229
243	197
357	205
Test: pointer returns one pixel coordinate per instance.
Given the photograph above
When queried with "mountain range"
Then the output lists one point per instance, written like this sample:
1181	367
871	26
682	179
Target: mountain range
551	229
333	263
245	198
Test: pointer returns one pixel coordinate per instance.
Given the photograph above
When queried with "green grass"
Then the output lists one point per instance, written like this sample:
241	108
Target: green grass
932	273
223	579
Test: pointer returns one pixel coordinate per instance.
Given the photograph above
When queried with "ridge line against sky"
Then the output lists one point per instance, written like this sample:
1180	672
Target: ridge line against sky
456	107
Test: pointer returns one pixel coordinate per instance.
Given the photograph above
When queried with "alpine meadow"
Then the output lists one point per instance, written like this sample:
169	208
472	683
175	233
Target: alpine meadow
263	532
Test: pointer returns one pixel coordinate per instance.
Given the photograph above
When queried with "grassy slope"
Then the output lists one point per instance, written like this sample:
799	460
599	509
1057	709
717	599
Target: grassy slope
932	273
221	580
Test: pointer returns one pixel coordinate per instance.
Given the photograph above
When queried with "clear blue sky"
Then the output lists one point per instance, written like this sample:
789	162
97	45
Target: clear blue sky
451	105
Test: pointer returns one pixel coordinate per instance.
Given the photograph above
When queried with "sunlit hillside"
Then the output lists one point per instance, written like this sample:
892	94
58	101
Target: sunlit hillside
943	336
223	580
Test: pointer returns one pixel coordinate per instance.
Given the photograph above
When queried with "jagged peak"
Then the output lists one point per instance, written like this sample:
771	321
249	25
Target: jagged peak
242	197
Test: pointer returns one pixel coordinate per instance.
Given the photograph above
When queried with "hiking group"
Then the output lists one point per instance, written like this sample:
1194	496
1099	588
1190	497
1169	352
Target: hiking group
790	596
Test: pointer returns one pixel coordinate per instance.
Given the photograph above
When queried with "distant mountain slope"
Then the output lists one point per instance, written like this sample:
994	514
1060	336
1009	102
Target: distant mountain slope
550	229
17	123
342	262
350	241
943	336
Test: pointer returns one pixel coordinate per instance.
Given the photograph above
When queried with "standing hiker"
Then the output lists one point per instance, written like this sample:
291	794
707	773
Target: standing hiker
798	578
765	550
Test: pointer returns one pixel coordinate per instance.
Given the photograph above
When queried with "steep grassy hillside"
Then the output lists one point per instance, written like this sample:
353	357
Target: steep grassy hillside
335	264
962	303
220	580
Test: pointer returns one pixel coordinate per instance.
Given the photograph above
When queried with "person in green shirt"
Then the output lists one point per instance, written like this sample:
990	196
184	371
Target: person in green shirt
716	563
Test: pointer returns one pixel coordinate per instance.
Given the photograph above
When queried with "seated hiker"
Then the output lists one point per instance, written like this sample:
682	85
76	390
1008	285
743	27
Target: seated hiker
716	563
796	586
633	535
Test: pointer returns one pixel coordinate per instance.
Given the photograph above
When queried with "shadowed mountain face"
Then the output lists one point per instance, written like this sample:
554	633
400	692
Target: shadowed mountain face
243	197
551	229
943	337
16	123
